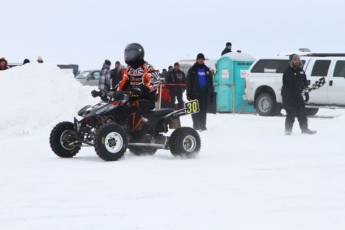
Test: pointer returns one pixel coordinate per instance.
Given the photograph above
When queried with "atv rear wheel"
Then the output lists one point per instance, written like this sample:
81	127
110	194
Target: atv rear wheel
184	142
110	142
62	140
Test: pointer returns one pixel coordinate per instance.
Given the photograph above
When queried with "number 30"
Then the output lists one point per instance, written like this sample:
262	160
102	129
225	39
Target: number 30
192	107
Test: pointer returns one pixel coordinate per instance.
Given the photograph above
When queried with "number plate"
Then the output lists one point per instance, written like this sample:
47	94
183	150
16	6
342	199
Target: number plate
192	107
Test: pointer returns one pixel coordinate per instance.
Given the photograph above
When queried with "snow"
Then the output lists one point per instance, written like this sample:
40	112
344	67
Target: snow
28	90
248	175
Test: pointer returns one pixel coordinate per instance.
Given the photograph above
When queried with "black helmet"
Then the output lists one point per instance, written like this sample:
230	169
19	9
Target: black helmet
134	53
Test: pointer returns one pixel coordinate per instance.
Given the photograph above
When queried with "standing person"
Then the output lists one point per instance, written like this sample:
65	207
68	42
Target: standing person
294	82
200	86
39	59
104	83
164	74
176	83
213	71
170	68
116	74
26	61
227	48
3	64
165	98
143	81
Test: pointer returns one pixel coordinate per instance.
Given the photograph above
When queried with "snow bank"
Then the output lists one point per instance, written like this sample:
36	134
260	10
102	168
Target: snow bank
36	95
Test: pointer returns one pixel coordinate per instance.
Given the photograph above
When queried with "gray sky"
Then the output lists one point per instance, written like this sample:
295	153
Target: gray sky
87	32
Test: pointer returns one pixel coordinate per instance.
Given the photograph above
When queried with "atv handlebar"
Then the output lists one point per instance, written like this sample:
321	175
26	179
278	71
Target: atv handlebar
116	95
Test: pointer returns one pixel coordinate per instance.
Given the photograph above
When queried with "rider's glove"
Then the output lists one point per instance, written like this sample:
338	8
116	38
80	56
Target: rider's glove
95	93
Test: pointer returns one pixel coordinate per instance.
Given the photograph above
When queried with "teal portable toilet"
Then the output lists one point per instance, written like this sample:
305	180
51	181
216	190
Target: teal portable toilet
229	82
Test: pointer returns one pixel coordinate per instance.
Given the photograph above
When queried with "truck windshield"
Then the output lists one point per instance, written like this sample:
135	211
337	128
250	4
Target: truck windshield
83	75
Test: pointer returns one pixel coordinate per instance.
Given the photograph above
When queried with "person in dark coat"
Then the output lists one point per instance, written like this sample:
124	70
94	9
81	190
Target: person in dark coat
26	61
200	87
116	74
294	84
104	83
227	48
176	83
164	74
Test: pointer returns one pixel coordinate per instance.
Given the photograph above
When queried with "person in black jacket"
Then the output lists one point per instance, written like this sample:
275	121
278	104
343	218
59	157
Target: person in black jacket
200	86
116	74
227	48
176	84
26	61
294	84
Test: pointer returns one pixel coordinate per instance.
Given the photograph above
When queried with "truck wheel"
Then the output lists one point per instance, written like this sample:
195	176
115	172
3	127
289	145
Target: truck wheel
110	142
62	140
184	142
312	111
265	105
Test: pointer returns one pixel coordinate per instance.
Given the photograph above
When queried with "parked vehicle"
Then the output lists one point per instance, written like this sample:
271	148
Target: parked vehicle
106	127
11	65
89	77
73	68
264	82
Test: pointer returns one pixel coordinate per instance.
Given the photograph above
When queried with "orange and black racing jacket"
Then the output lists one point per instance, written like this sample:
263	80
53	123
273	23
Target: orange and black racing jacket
145	77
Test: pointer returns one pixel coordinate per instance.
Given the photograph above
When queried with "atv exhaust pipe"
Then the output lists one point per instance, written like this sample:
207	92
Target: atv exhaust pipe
160	146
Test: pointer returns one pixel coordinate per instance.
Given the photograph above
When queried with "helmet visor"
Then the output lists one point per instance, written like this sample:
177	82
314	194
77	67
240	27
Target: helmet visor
131	54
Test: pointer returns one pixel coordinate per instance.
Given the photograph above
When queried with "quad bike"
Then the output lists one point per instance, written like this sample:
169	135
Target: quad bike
106	127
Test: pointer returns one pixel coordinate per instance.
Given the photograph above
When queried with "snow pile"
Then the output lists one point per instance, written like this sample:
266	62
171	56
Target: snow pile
36	95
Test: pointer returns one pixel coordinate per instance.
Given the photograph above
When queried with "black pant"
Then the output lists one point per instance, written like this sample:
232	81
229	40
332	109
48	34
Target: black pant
151	97
165	104
199	119
295	108
136	109
176	92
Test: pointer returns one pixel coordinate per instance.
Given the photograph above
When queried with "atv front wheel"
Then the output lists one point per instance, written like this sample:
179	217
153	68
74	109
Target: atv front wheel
110	142
184	142
62	140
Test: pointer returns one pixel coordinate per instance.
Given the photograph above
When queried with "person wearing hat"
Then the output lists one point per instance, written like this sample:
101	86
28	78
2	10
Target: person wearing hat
164	74
26	61
294	84
227	48
3	64
104	83
200	86
176	83
39	59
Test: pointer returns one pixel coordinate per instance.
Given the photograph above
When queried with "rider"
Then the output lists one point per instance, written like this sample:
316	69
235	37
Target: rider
142	80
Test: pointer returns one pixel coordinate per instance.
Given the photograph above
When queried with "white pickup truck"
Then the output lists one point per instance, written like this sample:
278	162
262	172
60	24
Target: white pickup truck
264	82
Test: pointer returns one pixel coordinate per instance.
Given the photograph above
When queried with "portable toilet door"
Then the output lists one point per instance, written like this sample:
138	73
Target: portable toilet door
240	71
224	85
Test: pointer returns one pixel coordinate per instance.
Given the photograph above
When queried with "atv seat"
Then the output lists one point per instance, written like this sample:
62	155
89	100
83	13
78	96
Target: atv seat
158	112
